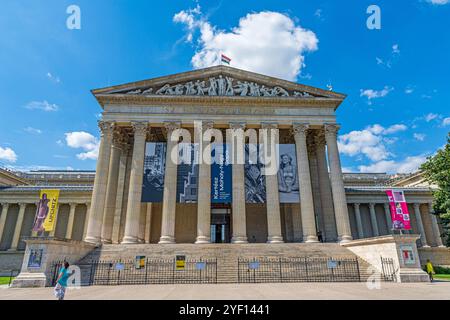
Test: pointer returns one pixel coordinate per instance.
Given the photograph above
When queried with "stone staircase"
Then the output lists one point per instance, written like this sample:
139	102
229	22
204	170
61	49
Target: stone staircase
227	255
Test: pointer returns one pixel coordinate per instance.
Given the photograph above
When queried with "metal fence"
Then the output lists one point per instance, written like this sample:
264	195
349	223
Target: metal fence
389	272
148	271
263	270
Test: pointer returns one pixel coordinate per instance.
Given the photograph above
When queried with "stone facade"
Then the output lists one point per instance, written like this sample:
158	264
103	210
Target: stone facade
106	207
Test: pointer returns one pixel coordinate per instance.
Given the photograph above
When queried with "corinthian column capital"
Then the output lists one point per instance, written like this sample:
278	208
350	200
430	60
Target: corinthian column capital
331	129
106	128
171	126
238	125
300	129
140	128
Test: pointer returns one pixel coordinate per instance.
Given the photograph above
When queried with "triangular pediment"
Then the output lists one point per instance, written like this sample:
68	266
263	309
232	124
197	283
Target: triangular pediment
218	81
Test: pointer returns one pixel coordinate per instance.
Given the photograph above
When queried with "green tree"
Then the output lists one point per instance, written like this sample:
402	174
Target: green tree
437	171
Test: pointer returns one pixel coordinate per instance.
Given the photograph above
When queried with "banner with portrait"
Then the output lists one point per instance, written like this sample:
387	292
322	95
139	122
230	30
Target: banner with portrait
288	184
399	210
154	170
255	181
46	211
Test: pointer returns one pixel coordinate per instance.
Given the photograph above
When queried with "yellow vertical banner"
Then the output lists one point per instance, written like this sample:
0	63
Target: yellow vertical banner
48	207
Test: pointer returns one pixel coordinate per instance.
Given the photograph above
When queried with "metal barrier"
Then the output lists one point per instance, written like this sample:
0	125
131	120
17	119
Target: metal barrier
389	272
264	270
148	271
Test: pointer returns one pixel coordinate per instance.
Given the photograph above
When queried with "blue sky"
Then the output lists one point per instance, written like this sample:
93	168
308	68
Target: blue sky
397	79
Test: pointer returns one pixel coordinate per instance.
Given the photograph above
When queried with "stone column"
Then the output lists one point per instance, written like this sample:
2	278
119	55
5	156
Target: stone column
238	205
170	187
18	228
273	198
337	184
373	220
120	193
387	212
131	234
5	207
100	184
326	197
69	230
204	192
304	178
359	225
111	190
148	223
86	219
423	236
434	225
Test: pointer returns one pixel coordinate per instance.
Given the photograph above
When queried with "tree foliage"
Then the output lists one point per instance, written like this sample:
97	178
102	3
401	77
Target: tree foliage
437	171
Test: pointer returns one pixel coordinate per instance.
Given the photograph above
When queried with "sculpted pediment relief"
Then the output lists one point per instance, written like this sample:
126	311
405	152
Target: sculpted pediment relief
217	81
217	86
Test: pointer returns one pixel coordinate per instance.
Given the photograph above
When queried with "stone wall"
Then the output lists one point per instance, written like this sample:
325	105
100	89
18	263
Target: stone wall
438	256
10	261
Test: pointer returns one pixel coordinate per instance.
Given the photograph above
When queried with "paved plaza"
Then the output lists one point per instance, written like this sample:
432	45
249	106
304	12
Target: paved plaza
269	291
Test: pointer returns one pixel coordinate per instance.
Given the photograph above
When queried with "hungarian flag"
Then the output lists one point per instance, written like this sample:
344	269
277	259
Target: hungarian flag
225	59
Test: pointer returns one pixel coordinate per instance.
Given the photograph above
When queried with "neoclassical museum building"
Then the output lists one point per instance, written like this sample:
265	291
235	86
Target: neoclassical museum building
139	196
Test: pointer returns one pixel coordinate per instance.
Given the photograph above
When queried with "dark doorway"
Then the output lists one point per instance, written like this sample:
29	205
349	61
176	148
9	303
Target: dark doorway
220	225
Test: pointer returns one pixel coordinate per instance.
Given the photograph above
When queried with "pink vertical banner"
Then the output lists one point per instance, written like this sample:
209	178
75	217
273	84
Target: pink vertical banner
399	210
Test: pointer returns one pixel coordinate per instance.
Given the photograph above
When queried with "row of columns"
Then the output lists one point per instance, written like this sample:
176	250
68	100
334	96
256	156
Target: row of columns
20	220
387	211
101	226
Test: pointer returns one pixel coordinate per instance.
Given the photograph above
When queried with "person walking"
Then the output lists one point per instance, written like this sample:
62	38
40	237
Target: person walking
61	282
430	270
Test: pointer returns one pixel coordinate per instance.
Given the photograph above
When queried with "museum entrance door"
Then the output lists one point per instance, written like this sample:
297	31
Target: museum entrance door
220	224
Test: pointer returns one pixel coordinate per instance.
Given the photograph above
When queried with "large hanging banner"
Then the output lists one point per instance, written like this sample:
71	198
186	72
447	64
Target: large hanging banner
288	185
399	210
154	169
221	175
47	209
187	174
255	181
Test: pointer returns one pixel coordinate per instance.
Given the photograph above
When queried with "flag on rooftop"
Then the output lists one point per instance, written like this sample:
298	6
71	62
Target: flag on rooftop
225	59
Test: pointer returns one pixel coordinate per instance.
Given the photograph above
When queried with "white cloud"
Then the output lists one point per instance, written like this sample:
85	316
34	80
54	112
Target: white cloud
438	2
8	154
408	165
409	90
419	136
32	130
85	141
267	42
395	49
42	105
431	116
374	94
370	142
446	122
53	77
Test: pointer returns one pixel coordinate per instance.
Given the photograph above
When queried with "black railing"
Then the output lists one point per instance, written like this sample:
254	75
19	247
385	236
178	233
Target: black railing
10	274
150	271
389	272
264	270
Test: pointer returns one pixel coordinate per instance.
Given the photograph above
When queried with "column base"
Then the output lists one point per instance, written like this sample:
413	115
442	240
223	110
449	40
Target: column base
93	240
310	239
345	239
275	239
105	241
203	240
239	240
426	246
166	240
129	240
